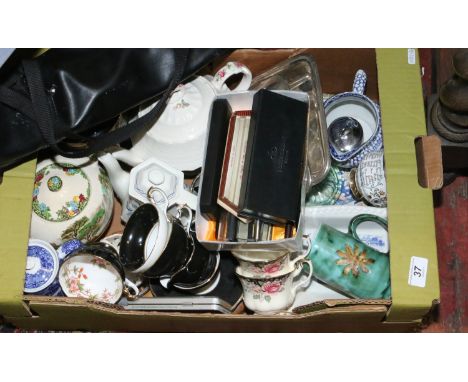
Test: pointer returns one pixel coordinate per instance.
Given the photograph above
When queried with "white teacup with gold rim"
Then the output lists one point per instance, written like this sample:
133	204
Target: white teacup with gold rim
270	263
272	294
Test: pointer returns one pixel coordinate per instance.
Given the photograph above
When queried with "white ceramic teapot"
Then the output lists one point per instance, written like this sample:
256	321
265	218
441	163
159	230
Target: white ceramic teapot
132	188
178	137
72	199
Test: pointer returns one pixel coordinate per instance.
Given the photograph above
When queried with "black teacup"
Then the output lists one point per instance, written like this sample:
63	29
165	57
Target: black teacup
199	270
154	243
175	256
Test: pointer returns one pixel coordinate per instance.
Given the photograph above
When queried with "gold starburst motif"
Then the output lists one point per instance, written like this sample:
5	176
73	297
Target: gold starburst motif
354	260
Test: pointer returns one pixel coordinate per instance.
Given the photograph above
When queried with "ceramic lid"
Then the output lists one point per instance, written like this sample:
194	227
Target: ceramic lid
61	192
42	266
155	173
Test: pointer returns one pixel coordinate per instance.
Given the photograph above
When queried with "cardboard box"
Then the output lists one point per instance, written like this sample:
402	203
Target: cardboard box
394	80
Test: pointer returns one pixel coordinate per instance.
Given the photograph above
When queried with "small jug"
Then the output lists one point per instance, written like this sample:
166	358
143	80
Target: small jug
345	263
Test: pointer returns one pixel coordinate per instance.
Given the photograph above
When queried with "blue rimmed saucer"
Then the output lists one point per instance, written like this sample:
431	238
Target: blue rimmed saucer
42	265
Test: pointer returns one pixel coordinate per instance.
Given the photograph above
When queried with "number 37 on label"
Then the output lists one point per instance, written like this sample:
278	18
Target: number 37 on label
418	271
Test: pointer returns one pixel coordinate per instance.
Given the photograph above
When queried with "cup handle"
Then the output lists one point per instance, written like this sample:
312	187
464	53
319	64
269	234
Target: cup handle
358	219
359	84
128	287
162	230
162	210
185	207
227	71
305	252
306	280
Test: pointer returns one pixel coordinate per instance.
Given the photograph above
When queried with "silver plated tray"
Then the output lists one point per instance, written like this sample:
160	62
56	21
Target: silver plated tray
300	73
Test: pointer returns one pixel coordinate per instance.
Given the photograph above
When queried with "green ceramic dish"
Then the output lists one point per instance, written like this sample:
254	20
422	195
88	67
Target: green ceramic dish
348	265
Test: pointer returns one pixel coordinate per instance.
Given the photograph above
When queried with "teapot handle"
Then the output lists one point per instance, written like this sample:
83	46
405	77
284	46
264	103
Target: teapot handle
227	71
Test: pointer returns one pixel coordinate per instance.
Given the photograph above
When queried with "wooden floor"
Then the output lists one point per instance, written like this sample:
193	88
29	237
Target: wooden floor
451	215
450	208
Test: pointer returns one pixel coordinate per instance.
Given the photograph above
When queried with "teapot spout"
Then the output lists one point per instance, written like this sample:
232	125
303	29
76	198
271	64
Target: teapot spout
128	157
119	178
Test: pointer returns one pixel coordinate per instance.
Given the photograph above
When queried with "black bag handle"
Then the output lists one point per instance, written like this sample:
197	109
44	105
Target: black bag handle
46	122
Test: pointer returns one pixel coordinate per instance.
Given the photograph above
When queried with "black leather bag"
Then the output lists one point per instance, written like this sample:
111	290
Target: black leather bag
76	94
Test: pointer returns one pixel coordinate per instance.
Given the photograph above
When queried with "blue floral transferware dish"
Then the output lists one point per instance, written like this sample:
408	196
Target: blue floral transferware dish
68	247
356	105
42	265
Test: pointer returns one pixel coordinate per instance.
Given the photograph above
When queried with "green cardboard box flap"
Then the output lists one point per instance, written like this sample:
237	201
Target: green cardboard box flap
15	216
410	211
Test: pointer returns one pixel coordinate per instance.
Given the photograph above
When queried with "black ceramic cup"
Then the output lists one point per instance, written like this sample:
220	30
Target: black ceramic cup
143	239
199	270
176	254
132	244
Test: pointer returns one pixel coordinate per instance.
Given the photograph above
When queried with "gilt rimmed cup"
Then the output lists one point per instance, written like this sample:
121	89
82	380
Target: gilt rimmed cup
95	272
269	263
272	294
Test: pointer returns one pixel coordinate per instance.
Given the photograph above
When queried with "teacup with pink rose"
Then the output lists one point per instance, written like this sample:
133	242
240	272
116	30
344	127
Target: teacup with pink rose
267	294
270	263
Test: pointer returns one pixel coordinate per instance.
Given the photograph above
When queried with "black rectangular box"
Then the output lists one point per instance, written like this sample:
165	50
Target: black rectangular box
217	135
275	158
